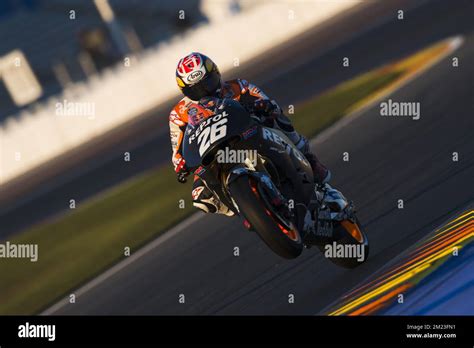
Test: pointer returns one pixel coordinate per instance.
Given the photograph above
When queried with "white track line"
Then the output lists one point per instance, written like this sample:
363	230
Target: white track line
321	137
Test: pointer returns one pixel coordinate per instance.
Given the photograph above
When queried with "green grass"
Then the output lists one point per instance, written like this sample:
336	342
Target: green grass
89	239
84	242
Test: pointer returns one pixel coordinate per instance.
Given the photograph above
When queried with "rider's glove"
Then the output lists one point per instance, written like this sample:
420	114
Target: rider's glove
181	171
264	107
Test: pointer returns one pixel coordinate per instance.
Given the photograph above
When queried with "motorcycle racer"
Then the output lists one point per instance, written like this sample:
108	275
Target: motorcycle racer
197	77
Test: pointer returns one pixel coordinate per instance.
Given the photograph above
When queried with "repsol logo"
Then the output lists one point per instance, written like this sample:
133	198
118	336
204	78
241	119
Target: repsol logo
275	138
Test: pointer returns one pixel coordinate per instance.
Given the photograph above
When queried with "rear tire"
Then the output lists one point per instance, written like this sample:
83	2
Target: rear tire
254	209
347	238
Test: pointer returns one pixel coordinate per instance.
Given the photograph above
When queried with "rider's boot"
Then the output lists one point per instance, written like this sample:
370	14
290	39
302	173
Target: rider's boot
204	199
333	198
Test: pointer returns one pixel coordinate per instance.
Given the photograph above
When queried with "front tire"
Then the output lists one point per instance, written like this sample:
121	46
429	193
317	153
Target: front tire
282	238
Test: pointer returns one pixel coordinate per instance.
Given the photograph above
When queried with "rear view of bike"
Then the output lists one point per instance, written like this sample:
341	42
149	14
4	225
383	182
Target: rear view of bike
337	231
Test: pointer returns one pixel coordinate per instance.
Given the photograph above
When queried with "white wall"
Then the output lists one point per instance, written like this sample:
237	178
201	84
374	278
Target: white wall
121	93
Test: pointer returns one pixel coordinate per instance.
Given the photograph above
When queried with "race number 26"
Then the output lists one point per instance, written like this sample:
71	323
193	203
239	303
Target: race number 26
211	134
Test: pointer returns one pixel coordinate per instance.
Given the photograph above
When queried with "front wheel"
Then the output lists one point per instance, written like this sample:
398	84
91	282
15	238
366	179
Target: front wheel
280	235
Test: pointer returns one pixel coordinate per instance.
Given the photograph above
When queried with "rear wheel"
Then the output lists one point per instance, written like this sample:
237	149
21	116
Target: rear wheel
277	232
353	240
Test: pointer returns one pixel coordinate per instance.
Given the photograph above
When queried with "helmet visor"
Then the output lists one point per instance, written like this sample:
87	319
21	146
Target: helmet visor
206	87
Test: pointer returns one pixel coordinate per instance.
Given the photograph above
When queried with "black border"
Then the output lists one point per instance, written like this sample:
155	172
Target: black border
288	330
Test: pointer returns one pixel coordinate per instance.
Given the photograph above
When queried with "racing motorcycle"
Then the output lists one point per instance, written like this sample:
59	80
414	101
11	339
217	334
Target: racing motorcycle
273	190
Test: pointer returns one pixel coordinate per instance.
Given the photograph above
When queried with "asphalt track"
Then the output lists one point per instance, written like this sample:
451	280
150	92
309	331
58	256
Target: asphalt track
390	159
